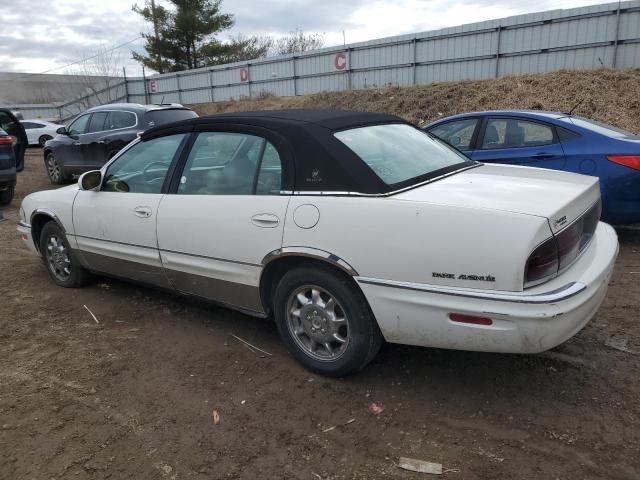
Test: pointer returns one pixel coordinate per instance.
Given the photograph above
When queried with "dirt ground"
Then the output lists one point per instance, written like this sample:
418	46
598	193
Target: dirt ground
132	397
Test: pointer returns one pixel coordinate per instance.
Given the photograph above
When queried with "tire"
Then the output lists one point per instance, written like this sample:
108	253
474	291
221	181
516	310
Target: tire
44	139
54	170
305	333
61	262
7	195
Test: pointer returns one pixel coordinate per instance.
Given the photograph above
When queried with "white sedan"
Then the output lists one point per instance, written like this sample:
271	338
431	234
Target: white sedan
347	228
39	131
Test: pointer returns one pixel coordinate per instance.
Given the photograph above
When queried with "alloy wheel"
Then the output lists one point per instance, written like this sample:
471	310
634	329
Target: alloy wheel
57	258
53	169
318	323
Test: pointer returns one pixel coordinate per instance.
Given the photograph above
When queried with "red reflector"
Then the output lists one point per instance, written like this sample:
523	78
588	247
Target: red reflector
458	317
631	161
6	140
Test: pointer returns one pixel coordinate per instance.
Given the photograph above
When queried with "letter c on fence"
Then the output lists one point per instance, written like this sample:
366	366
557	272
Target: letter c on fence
244	75
340	61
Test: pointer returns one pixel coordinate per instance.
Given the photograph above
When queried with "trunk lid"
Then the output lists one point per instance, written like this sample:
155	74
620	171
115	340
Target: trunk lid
560	197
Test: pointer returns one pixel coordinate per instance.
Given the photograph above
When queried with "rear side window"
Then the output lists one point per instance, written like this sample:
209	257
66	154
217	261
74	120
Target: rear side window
96	124
158	117
457	134
119	119
515	133
31	125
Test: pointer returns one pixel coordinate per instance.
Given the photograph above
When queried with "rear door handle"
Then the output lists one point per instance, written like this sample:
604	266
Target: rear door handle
543	155
265	220
142	212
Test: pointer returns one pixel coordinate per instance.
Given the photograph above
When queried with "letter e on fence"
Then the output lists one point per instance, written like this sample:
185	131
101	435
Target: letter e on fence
244	75
340	61
153	86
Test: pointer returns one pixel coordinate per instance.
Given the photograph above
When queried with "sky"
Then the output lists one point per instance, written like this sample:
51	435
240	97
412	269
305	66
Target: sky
42	35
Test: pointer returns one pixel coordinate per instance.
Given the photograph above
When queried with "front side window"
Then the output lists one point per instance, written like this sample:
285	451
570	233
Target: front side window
143	167
458	133
79	125
225	163
118	119
398	153
515	133
96	124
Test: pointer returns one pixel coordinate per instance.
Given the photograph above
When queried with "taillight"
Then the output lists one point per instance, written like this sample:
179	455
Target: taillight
631	161
557	253
6	140
542	263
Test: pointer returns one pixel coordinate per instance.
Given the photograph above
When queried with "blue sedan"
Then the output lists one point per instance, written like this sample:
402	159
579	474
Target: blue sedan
558	141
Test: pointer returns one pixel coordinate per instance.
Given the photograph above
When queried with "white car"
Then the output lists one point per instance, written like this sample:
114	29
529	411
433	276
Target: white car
348	228
39	131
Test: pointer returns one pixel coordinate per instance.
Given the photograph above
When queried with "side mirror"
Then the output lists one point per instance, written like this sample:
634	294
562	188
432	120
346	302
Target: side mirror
90	180
62	131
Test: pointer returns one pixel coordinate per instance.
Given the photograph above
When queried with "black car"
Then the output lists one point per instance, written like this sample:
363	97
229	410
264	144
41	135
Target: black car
13	142
96	135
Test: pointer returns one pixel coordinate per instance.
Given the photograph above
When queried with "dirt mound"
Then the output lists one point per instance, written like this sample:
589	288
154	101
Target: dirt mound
607	95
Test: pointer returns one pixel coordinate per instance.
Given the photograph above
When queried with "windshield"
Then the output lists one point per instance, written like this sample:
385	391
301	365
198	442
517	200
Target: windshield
398	153
602	128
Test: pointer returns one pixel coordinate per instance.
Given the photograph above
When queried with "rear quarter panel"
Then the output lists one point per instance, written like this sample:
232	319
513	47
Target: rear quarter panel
386	238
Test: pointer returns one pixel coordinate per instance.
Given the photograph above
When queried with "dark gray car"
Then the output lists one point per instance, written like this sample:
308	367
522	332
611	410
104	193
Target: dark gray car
95	136
13	142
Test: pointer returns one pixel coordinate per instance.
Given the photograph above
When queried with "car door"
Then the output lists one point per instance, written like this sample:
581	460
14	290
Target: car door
519	141
226	215
115	227
92	145
460	134
10	124
69	152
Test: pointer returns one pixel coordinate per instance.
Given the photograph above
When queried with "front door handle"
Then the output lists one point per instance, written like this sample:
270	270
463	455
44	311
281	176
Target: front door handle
265	220
142	212
543	155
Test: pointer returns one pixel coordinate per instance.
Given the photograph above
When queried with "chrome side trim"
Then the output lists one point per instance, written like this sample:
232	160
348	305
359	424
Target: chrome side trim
551	296
310	253
24	224
360	194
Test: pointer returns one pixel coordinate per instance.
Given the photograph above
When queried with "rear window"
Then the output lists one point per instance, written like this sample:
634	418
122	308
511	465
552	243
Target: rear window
398	153
601	128
158	117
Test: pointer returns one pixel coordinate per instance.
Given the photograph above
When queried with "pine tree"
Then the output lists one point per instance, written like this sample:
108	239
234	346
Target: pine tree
184	37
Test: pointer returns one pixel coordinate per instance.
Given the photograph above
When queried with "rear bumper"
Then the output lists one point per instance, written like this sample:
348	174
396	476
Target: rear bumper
532	321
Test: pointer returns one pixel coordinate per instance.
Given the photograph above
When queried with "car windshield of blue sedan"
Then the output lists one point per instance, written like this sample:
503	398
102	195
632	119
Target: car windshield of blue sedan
399	152
601	128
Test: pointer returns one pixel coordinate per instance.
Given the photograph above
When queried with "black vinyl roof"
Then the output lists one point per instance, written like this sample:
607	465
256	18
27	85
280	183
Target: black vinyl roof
313	159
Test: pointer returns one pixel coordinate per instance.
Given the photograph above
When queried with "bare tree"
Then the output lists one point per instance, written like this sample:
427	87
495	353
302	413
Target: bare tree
296	42
98	73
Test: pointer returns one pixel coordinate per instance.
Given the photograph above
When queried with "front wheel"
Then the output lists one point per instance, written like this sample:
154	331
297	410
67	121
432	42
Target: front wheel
62	264
325	321
54	169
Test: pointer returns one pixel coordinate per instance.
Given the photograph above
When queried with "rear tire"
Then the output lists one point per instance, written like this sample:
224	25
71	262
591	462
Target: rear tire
54	170
7	195
61	262
44	139
325	321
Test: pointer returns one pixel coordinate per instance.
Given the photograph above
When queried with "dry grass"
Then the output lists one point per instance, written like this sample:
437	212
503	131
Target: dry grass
607	95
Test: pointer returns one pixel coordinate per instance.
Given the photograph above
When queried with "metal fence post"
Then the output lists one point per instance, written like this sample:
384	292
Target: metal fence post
126	84
498	52
415	59
179	88
211	96
146	91
614	62
249	79
349	68
295	77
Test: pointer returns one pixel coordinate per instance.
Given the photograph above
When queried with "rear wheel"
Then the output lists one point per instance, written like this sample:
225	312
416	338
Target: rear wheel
54	169
44	139
62	264
7	195
325	321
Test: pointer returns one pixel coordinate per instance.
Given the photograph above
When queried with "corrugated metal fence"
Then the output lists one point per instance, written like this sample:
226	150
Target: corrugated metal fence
606	35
